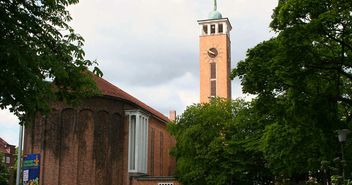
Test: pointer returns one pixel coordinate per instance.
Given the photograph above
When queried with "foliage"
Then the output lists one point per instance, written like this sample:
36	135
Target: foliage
4	175
38	49
302	79
215	145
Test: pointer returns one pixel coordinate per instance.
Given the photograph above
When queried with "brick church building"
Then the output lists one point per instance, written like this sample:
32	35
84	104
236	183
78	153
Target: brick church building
115	139
8	153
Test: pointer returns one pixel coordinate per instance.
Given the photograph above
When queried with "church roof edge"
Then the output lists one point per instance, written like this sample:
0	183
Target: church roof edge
108	89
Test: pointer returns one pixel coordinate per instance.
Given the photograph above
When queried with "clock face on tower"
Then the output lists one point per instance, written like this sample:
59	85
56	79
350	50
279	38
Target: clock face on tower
212	52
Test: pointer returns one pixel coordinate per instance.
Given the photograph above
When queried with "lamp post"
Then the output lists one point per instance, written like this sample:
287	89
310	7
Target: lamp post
342	135
19	155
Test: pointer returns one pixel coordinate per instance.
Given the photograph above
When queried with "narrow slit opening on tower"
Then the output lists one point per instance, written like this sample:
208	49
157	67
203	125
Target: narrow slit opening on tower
221	28
213	88
205	29
212	70
212	28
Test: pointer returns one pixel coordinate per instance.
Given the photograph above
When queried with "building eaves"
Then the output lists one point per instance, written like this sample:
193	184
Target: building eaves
111	90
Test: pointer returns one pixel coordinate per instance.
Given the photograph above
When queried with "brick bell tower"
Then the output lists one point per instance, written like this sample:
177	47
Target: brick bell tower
215	56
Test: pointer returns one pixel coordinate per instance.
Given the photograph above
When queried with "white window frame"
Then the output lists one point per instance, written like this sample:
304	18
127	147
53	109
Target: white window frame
225	25
137	141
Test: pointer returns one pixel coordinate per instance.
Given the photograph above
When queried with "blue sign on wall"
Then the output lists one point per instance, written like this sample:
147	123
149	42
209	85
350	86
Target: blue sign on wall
31	169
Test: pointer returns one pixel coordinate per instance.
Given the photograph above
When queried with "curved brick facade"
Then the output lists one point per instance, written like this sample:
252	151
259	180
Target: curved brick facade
88	144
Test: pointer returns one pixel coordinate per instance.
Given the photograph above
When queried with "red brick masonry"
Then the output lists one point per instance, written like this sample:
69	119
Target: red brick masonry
9	152
88	144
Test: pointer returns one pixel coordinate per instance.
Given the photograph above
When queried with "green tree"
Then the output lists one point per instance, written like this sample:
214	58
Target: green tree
38	49
215	145
4	175
302	79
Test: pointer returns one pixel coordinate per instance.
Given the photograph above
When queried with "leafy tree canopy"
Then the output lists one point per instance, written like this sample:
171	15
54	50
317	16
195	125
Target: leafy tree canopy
302	79
37	49
215	145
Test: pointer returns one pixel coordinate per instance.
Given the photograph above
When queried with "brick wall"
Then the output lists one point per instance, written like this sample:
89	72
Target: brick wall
88	144
223	69
160	163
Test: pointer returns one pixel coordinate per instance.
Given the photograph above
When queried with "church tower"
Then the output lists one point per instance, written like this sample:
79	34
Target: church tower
215	56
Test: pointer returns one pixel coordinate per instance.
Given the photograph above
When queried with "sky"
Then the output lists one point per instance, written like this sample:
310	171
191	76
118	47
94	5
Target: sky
149	48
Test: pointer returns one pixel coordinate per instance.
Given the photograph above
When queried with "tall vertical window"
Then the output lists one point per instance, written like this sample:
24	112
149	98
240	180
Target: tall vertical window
137	141
212	28
152	135
132	141
161	152
205	29
221	28
213	79
213	88
213	70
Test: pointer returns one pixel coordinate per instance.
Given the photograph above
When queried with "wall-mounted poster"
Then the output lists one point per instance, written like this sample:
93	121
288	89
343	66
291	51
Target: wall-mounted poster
31	169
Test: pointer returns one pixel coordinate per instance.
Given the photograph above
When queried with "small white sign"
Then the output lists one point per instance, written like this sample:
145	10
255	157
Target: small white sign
25	175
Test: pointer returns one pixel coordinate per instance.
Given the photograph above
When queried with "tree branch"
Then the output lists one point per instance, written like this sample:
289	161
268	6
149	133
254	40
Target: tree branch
338	40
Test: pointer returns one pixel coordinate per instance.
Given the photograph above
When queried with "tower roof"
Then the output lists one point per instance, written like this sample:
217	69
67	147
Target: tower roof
215	14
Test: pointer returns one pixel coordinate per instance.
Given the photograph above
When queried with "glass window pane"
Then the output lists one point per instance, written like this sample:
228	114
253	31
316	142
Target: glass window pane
212	70
212	28
221	28
133	143
205	29
213	88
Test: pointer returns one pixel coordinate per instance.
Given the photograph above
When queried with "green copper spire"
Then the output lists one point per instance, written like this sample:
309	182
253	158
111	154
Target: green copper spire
215	14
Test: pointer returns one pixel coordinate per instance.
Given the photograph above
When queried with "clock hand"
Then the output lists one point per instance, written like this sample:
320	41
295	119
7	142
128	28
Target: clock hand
211	52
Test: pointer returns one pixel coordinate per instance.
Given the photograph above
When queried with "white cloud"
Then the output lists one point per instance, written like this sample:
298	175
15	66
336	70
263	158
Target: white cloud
9	127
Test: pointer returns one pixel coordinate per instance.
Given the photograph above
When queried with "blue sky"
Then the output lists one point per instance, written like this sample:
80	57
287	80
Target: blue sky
149	48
